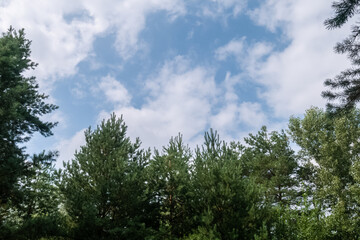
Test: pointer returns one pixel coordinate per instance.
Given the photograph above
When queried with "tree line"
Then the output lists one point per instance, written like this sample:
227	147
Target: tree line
262	189
298	183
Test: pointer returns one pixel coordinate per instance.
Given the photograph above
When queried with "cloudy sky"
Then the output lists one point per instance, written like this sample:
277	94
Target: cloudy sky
171	66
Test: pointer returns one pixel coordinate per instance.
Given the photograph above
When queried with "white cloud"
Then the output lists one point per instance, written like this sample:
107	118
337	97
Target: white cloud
234	48
272	14
114	91
247	56
233	117
128	18
67	147
275	14
57	45
252	115
63	31
182	97
293	77
236	121
180	100
218	8
255	54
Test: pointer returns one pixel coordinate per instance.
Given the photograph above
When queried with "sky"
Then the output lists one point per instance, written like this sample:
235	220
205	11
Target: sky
176	66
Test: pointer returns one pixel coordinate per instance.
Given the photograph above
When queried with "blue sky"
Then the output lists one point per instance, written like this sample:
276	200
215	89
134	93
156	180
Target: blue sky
171	66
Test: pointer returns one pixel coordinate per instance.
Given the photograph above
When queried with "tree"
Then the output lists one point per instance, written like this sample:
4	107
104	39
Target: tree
21	108
272	164
39	213
344	10
331	146
104	185
345	87
227	203
170	184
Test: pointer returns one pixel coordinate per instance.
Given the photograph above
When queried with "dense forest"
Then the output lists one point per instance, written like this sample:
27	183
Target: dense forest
302	182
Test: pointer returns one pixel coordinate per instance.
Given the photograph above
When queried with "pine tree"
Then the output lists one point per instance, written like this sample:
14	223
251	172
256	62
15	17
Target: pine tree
104	185
272	164
226	201
170	185
345	87
21	106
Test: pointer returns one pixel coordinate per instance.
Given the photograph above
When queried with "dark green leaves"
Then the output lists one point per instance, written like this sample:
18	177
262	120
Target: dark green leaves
21	106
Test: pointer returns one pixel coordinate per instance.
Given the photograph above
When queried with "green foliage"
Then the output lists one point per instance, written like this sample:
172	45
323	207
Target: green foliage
21	106
104	185
344	9
330	146
204	233
170	185
303	222
345	87
264	190
38	214
272	164
226	202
